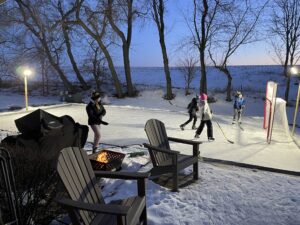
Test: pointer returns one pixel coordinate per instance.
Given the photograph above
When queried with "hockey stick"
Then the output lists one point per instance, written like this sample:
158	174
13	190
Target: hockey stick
231	142
171	103
239	125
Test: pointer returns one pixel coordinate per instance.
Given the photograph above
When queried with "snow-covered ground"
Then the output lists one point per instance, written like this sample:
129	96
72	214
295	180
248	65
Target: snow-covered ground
223	194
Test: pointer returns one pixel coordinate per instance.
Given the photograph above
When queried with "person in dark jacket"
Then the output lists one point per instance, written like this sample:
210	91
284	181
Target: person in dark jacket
192	109
95	111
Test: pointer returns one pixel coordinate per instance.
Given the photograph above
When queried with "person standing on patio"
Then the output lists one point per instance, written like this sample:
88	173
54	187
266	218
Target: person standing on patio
96	111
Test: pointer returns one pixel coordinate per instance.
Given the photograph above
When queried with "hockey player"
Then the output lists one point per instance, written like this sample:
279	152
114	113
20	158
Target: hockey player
192	109
206	116
238	106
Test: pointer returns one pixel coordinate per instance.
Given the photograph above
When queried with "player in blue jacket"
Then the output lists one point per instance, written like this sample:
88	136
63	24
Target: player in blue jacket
238	106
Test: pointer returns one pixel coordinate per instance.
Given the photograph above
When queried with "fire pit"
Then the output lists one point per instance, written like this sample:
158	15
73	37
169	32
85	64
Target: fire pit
107	160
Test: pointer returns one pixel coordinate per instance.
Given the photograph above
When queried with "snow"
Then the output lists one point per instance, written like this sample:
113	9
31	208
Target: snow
223	194
127	118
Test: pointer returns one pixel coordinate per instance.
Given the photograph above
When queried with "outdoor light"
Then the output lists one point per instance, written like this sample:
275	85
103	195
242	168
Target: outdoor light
26	72
294	70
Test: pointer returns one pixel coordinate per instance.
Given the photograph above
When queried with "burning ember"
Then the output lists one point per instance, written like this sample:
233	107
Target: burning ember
102	157
107	160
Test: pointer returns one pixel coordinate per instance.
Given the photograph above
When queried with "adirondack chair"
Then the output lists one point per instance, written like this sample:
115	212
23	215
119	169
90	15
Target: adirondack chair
86	204
164	159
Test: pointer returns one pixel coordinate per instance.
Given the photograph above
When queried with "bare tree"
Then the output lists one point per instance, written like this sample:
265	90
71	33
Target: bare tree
66	29
94	23
158	10
204	13
38	24
121	13
95	64
233	27
285	30
188	67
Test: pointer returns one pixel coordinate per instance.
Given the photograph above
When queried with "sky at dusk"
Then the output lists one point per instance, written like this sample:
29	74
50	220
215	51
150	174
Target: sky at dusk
146	51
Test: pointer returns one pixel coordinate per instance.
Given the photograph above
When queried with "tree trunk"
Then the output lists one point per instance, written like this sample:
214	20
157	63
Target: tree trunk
96	72
43	75
47	79
203	82
59	71
130	88
169	94
187	90
126	41
228	88
72	59
287	89
62	76
229	81
111	68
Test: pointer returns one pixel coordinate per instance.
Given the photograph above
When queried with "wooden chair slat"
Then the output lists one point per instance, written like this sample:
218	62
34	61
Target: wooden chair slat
84	181
75	189
89	176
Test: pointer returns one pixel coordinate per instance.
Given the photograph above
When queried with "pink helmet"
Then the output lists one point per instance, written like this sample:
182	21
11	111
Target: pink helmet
203	97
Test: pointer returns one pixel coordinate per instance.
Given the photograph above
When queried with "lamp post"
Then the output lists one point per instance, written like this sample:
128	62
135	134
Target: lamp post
26	72
294	71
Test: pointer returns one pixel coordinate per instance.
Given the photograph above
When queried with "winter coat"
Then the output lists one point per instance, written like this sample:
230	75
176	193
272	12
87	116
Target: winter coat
205	112
94	114
193	107
239	103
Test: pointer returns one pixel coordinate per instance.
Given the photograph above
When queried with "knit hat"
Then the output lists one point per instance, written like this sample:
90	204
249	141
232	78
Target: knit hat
238	94
203	97
95	95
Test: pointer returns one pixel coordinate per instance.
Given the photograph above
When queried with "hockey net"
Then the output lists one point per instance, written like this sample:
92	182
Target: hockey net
280	129
275	118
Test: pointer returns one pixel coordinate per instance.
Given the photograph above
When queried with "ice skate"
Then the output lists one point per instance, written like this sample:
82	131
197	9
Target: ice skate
182	127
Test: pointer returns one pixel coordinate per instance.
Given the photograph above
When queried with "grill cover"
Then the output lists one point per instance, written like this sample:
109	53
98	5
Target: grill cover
45	132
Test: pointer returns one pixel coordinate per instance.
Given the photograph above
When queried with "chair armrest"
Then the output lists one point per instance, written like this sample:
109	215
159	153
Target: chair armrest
184	141
140	177
98	208
167	151
195	144
121	175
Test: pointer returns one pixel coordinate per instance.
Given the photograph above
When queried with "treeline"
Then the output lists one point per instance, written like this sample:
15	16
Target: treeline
50	32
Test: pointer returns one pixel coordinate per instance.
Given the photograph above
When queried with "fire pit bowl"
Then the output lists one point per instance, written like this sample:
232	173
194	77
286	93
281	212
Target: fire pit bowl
107	160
